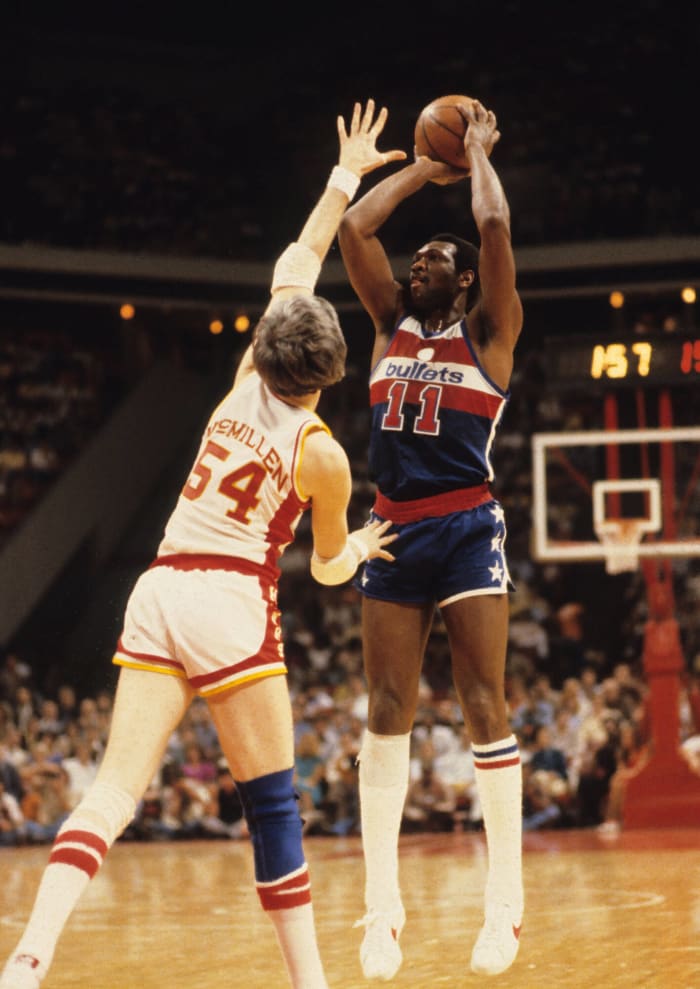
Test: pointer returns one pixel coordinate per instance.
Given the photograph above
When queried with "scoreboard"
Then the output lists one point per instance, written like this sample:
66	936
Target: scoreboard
583	360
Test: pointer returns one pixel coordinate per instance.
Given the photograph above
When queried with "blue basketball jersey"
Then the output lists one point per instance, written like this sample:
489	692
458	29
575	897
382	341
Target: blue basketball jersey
434	414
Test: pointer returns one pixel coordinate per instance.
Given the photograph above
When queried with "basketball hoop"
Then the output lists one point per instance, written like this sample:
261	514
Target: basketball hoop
620	539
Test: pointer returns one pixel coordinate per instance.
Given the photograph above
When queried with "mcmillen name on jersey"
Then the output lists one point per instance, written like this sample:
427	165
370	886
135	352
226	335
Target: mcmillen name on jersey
422	372
241	431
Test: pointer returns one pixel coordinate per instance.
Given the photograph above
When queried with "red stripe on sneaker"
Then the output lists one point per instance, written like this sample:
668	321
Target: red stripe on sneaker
78	859
497	765
516	932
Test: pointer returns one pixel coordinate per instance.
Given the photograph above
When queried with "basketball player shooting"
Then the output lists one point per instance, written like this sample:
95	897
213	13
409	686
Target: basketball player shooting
441	366
203	618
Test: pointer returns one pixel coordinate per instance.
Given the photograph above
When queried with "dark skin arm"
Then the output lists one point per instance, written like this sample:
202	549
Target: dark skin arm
365	259
495	322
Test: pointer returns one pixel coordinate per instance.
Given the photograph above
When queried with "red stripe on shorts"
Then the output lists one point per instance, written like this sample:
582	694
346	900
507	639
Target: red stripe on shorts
435	505
212	561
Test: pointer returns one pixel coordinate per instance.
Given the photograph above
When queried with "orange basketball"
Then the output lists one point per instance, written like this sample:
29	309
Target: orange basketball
440	130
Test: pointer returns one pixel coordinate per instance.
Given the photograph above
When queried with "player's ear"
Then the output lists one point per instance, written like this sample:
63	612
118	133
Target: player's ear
466	278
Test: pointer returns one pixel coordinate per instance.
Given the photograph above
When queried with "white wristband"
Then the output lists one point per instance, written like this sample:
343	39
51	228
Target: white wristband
344	180
339	568
298	266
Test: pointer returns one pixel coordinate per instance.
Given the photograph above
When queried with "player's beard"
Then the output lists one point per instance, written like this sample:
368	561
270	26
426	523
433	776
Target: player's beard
427	299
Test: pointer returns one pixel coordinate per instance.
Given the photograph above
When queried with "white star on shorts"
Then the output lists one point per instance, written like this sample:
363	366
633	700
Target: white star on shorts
496	572
498	513
497	544
365	580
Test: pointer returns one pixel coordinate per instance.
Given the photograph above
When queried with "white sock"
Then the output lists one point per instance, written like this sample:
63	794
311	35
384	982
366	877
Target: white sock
384	770
77	854
500	783
296	935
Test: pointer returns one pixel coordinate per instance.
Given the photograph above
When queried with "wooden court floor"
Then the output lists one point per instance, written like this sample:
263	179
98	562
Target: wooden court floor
604	913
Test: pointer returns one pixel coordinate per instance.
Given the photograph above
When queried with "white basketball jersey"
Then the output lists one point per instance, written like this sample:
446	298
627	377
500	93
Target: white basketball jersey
242	498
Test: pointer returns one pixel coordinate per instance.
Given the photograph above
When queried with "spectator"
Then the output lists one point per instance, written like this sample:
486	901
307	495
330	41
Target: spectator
595	774
544	755
11	818
226	817
9	771
546	796
342	798
81	770
195	766
14	673
633	754
430	803
310	778
45	804
456	769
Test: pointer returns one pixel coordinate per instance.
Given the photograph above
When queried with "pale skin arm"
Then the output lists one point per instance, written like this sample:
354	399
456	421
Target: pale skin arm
324	477
359	155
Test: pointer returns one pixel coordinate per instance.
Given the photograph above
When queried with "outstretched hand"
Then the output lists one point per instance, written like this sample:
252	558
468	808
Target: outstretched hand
358	152
372	536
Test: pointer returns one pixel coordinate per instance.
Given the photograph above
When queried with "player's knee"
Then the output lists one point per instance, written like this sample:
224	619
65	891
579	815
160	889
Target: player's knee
391	709
271	811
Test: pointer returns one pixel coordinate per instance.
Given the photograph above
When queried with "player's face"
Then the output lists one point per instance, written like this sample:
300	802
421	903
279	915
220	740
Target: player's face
433	279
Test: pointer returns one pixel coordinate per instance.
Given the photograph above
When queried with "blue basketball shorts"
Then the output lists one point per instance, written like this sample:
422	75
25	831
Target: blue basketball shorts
442	559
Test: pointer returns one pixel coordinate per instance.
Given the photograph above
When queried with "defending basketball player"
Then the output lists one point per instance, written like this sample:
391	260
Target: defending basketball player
441	367
203	618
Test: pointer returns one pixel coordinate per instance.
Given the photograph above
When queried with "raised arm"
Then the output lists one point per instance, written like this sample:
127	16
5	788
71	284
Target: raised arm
298	267
496	321
365	259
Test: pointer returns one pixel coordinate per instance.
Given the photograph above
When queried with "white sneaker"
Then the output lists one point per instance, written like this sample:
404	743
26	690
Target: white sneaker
22	972
498	941
380	955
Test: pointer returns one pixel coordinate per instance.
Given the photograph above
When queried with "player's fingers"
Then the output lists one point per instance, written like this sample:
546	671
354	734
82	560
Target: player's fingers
342	133
381	527
386	540
356	113
396	155
378	125
369	113
387	556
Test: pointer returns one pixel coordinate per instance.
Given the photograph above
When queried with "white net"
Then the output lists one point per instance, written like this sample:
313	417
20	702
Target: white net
621	539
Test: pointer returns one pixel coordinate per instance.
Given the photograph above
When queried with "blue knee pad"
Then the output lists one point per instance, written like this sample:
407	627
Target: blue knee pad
270	807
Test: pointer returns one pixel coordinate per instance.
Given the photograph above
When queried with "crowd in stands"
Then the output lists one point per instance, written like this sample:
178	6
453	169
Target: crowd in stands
55	389
576	686
579	744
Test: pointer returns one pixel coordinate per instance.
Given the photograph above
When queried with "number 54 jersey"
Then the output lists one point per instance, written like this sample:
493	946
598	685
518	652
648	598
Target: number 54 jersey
434	414
242	497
